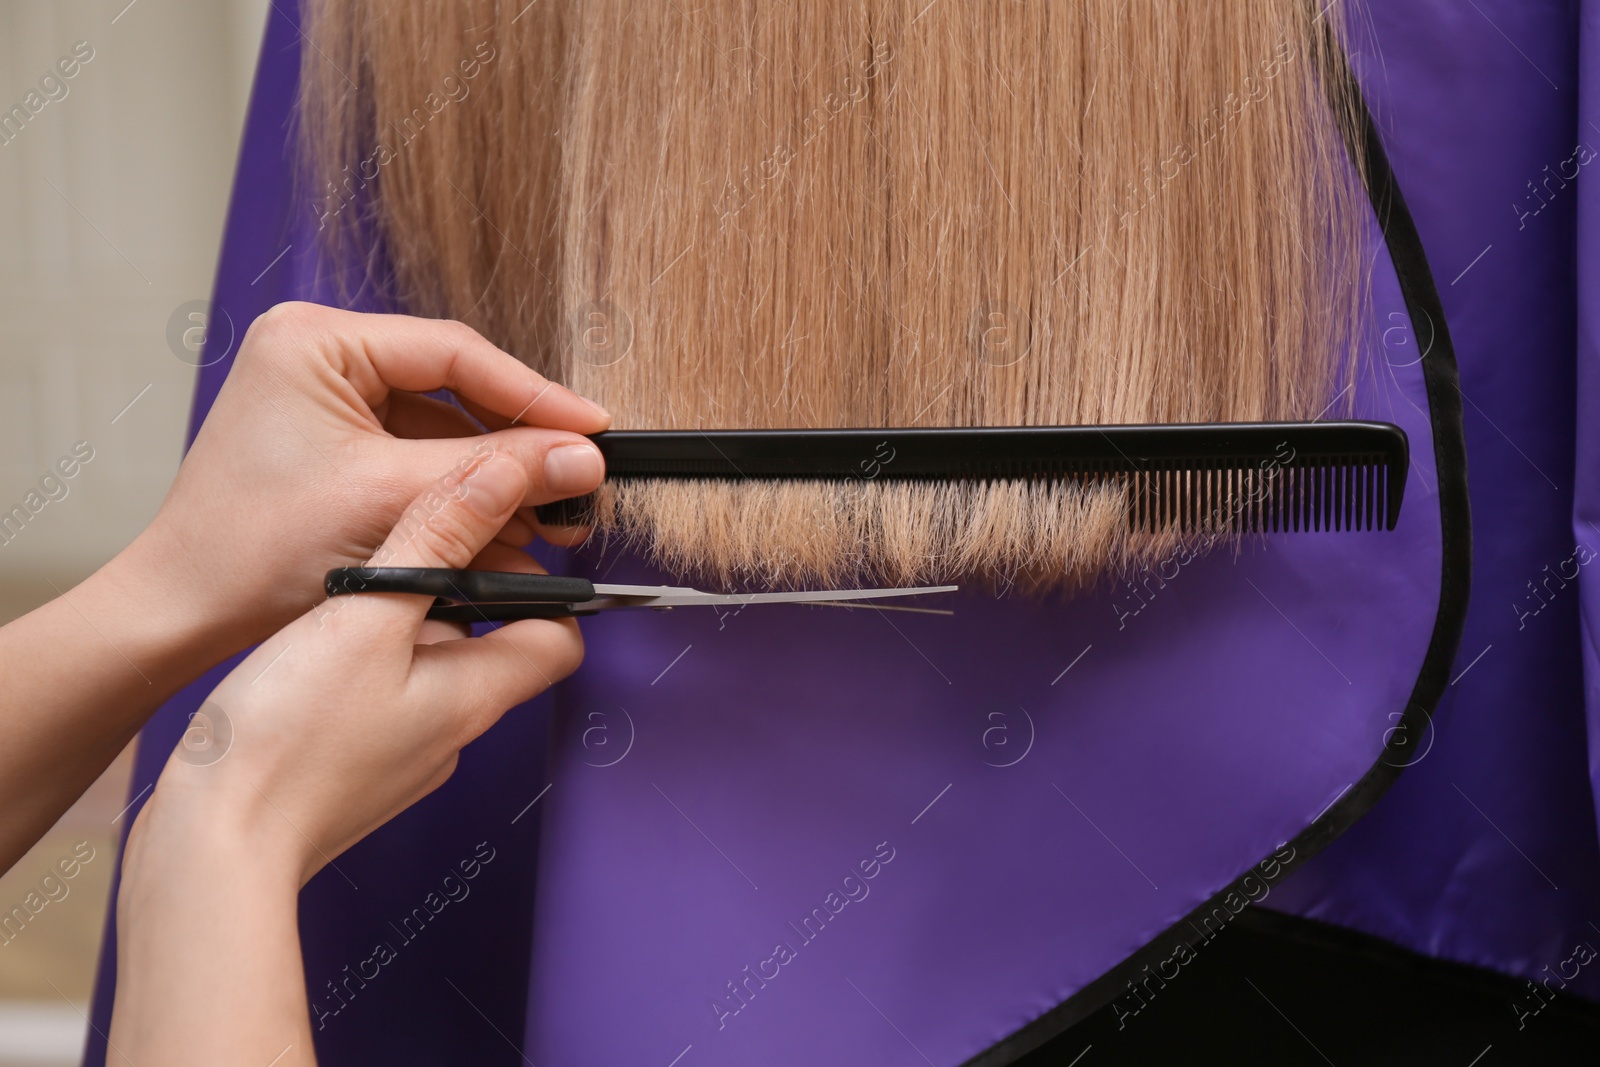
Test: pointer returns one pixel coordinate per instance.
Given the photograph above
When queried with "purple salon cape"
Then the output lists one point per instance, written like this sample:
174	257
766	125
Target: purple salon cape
797	836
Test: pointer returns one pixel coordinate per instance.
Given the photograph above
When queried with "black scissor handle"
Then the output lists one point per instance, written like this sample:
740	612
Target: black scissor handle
470	613
469	596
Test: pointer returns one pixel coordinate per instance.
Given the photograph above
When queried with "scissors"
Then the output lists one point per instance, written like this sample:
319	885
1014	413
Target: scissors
500	596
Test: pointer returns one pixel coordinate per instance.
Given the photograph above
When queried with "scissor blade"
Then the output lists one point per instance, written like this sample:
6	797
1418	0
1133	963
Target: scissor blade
644	596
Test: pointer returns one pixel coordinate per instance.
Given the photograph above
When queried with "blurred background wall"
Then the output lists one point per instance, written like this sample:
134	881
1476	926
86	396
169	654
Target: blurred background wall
113	186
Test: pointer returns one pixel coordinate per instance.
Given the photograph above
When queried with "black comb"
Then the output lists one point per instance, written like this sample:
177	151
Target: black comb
1248	476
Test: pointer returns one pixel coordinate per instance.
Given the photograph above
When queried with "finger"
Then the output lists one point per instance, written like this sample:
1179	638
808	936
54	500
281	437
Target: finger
447	526
528	517
485	416
494	557
412	417
483	676
415	417
433	631
517	531
409	416
499	557
379	353
559	464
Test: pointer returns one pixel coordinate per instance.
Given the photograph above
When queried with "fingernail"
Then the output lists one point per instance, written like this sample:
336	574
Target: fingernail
572	469
494	487
602	411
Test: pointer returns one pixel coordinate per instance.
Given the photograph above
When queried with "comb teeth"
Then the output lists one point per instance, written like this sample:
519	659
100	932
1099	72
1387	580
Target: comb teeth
1314	495
1229	477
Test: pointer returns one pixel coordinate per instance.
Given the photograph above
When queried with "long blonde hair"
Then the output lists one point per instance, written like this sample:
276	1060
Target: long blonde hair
863	213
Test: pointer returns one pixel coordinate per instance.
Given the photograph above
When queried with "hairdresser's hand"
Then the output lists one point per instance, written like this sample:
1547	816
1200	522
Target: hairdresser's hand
354	711
339	722
317	441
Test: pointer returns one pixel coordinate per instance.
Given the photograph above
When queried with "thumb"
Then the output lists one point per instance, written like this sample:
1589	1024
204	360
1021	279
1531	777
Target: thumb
446	526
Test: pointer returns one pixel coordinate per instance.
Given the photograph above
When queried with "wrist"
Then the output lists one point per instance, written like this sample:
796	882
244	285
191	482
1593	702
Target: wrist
189	841
158	610
208	960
